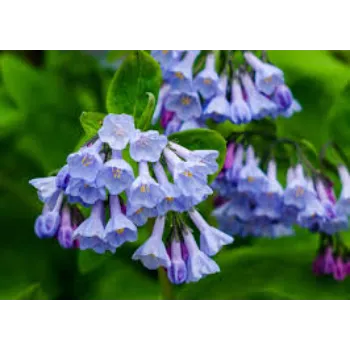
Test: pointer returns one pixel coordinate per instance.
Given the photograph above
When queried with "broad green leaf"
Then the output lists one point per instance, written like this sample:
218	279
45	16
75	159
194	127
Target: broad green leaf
138	75
11	119
146	117
91	123
270	269
116	55
202	139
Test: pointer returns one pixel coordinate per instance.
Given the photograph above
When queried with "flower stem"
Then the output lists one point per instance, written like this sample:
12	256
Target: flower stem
165	285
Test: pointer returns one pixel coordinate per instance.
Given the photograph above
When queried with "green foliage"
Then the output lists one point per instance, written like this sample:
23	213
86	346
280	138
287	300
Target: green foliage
39	127
138	75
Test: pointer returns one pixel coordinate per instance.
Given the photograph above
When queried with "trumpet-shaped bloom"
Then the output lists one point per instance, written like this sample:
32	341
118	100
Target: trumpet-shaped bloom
65	232
206	82
211	240
86	163
283	97
240	111
84	192
199	264
62	178
153	253
267	76
145	191
166	58
139	215
147	146
177	273
48	191
344	199
119	228
117	130
116	175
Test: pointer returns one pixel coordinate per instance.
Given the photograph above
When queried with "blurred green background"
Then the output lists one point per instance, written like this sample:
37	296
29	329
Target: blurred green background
42	95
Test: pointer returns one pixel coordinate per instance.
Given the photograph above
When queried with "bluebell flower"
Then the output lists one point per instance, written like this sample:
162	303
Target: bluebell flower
283	97
48	191
62	178
173	126
153	253
139	215
219	108
86	163
180	75
211	239
145	191
344	199
190	177
269	202
297	193
240	111
251	177
119	228
206	82
166	58
85	192
205	157
163	93
336	220
91	232
260	106
174	200
232	173
267	76
230	224
147	146
186	104
199	264
65	232
117	130
116	175
47	224
294	108
177	273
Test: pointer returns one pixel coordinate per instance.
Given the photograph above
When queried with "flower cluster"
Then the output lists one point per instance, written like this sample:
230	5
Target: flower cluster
255	203
187	101
98	174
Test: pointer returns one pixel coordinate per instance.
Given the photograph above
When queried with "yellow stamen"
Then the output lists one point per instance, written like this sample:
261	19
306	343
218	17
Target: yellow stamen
185	101
251	179
164	52
144	188
207	81
139	211
117	173
119	132
188	173
86	161
169	199
268	79
120	231
299	192
179	75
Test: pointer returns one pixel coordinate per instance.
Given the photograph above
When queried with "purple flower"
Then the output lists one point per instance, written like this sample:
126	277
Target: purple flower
62	178
65	232
153	253
173	126
158	111
329	262
177	273
240	111
267	76
48	191
199	264
344	200
232	173
339	271
283	97
86	163
119	228
211	240
147	146
91	233
166	58
117	130
139	215
116	175
318	265
145	191
166	118
294	108
206	82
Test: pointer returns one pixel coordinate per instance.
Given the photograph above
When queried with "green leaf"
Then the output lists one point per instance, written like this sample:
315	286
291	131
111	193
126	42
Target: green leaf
116	55
202	139
146	117
89	261
270	269
11	119
91	123
138	75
